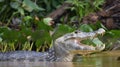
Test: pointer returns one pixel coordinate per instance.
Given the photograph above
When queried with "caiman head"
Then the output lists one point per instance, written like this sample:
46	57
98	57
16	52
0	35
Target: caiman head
65	45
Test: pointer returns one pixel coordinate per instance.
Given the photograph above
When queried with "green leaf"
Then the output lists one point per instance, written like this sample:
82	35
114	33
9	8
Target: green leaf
27	18
10	35
21	10
39	42
86	28
3	29
30	6
61	30
41	34
115	33
1	0
26	31
41	37
15	5
43	26
93	42
47	21
24	34
1	39
97	42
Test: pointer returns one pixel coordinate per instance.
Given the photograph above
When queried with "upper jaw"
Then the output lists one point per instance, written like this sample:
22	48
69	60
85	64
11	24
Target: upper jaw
85	35
100	31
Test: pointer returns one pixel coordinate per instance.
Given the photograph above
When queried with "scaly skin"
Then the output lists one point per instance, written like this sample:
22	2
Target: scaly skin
71	42
61	50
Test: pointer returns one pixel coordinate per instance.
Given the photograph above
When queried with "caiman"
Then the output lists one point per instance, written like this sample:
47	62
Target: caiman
61	50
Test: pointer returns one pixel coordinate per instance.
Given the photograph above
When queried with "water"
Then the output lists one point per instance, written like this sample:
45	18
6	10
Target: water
105	59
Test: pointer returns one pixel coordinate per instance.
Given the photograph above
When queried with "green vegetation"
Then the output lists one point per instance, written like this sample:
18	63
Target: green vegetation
85	7
22	26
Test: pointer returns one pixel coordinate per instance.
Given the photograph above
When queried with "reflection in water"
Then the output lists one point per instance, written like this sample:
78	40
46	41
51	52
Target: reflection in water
100	60
36	64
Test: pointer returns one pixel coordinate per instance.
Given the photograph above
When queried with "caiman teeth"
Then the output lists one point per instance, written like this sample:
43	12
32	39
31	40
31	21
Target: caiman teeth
102	34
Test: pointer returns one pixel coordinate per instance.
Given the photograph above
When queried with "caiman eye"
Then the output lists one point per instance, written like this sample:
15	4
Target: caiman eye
77	31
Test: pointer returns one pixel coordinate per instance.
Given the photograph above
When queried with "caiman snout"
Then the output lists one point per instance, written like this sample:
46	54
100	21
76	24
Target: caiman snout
100	31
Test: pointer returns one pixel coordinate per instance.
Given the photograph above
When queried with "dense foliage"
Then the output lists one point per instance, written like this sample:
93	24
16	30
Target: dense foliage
22	26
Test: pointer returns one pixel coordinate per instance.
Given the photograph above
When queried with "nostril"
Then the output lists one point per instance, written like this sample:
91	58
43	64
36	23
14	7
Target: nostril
76	32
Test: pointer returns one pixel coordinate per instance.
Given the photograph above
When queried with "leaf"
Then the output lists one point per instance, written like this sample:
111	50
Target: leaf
41	34
43	26
10	35
1	0
24	34
61	30
93	42
115	33
27	18
15	5
85	28
1	39
30	6
3	29
41	37
39	42
21	10
47	21
96	41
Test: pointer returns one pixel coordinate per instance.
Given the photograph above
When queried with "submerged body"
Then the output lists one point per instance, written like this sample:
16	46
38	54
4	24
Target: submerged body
61	50
23	55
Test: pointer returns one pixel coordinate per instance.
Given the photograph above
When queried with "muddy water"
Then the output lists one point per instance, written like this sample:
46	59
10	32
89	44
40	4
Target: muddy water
104	59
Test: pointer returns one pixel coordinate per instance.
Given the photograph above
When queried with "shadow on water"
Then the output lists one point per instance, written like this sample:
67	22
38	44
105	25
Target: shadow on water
105	59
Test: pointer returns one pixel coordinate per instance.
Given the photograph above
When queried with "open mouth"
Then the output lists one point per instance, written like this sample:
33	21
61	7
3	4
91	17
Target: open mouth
89	43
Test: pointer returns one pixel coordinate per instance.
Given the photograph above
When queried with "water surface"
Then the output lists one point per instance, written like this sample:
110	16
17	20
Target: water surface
104	59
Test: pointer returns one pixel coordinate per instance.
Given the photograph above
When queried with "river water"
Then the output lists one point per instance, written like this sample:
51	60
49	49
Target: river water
105	59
